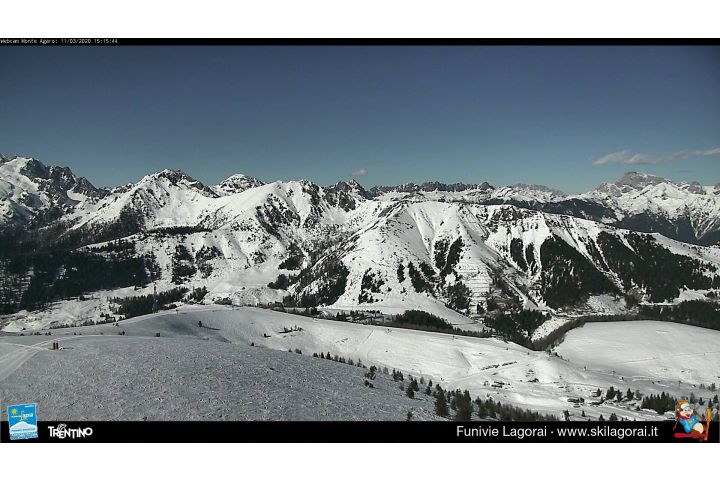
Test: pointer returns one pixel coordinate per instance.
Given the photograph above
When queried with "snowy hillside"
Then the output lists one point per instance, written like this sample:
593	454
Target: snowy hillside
657	350
183	376
418	254
175	369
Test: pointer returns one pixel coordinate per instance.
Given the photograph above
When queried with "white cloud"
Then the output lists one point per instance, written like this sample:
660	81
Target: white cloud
626	158
361	172
711	151
612	157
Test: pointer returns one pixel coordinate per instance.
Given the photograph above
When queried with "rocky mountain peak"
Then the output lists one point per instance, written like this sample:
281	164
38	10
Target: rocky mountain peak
177	178
237	183
639	180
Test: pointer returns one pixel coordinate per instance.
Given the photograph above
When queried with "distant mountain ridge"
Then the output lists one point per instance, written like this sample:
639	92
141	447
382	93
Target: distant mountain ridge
453	250
685	211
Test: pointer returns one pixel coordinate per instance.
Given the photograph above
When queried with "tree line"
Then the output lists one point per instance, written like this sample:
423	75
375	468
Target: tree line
144	304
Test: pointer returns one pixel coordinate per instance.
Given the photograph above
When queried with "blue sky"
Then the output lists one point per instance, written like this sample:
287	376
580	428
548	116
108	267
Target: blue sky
567	117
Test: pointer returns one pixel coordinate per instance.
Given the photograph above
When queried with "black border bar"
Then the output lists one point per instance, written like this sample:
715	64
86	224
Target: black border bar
110	42
358	432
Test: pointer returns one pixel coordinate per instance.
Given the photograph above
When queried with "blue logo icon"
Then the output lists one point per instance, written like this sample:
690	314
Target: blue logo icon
22	420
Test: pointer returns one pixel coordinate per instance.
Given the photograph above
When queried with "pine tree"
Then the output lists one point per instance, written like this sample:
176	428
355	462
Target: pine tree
482	411
464	407
410	392
464	412
610	393
629	394
441	408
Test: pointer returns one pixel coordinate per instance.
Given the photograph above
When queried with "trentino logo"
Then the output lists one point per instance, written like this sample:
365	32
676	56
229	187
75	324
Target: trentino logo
63	432
22	420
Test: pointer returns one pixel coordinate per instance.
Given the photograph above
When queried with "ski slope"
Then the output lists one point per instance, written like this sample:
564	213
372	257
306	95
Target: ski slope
187	377
192	372
647	349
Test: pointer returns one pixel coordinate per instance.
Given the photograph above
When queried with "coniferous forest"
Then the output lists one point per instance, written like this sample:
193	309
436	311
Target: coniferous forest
60	275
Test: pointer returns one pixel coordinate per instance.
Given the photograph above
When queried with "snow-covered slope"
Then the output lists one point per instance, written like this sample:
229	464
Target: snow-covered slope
644	349
189	373
187	366
414	254
167	198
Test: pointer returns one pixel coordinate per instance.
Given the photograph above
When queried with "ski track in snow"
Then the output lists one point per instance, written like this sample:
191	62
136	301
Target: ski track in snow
10	362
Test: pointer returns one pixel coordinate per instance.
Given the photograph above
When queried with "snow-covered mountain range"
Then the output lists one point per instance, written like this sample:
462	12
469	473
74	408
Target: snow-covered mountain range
687	212
454	250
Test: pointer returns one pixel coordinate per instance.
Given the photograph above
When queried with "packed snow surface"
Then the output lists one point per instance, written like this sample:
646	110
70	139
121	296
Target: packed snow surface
189	374
212	372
